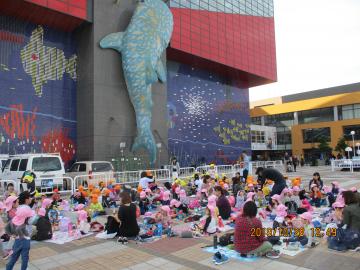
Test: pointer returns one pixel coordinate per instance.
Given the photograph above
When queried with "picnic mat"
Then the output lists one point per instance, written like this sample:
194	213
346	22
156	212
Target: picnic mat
61	238
285	251
230	254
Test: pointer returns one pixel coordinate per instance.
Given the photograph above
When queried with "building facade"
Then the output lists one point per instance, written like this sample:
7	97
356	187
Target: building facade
303	120
62	93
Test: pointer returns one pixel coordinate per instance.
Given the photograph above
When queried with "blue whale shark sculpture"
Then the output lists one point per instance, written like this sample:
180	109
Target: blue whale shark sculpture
141	46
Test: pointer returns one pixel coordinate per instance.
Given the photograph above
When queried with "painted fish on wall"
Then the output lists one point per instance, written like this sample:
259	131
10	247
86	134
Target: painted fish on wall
44	63
141	46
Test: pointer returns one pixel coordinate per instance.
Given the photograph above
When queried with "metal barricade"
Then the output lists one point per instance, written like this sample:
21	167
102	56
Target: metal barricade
65	185
128	177
93	179
187	172
3	187
227	170
203	169
162	175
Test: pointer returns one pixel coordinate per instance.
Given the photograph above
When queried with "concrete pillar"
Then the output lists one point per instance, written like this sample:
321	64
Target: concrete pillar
296	120
336	113
263	120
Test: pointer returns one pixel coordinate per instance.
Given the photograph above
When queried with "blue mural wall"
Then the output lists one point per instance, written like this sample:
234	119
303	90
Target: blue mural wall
37	89
208	117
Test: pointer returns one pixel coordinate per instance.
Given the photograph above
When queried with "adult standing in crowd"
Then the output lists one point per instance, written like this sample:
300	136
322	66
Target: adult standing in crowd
317	181
174	168
295	162
277	178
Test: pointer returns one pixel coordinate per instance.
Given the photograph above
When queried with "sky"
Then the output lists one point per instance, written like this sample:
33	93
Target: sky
317	46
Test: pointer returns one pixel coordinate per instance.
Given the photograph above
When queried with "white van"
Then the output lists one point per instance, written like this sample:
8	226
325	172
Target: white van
3	159
48	168
91	172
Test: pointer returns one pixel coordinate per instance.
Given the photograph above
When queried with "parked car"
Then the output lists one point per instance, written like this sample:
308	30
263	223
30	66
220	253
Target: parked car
48	169
3	159
90	172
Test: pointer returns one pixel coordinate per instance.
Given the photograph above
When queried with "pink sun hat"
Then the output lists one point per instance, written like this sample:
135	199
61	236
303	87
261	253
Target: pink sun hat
212	200
22	213
281	210
42	212
148	214
82	215
9	202
166	209
148	190
353	189
177	190
338	205
142	195
79	207
327	189
182	194
313	185
250	195
175	203
296	189
46	202
307	216
166	195
335	183
276	197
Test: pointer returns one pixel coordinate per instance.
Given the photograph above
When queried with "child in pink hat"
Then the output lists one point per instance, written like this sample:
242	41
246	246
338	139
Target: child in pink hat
143	203
308	238
11	204
208	223
166	198
83	222
43	226
281	213
163	216
17	227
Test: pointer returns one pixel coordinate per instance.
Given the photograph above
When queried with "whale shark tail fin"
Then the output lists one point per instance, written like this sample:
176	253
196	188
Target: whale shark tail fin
112	41
146	141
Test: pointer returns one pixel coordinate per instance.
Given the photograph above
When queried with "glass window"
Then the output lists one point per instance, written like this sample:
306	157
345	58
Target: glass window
82	167
14	165
283	136
316	115
313	135
46	164
349	111
3	162
101	167
347	132
7	164
256	121
23	165
74	168
280	120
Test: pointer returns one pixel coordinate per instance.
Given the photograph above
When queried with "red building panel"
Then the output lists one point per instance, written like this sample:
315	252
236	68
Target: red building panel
76	8
240	42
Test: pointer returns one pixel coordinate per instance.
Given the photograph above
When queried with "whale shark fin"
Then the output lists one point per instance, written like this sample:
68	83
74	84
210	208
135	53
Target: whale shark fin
160	70
146	141
112	41
151	75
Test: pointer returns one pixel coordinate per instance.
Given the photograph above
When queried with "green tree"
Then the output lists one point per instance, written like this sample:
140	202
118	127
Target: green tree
324	147
341	145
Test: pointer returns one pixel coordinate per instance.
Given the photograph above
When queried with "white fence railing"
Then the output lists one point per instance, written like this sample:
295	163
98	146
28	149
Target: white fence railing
67	184
345	164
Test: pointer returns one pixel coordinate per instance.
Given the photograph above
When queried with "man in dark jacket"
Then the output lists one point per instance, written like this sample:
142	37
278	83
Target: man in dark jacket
277	177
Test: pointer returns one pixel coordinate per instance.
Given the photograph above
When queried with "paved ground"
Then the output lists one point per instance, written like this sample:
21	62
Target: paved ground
91	253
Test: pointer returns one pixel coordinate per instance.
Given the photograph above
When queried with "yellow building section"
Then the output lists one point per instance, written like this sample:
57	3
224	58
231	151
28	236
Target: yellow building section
308	104
336	132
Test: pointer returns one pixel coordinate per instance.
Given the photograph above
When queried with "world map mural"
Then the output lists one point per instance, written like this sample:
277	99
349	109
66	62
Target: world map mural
207	116
37	89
